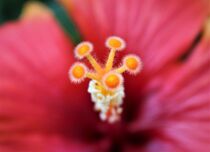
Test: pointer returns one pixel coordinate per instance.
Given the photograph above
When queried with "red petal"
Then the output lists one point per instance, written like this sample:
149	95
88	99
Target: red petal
35	142
35	92
160	31
179	110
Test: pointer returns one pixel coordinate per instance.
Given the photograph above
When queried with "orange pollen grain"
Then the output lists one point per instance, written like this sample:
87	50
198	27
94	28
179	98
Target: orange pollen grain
132	63
82	50
115	43
112	81
78	72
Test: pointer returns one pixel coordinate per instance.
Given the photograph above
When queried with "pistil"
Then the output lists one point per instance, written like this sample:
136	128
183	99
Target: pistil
106	85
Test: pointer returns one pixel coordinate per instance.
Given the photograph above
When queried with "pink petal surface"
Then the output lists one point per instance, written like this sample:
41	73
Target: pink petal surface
37	100
181	106
159	31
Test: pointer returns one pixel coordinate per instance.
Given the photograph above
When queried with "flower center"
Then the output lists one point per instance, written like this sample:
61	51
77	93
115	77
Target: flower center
106	85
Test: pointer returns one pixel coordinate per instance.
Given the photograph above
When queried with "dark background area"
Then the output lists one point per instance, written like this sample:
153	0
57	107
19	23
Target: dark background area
11	9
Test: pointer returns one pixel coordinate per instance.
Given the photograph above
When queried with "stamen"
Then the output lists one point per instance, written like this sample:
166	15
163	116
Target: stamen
84	49
121	69
110	60
106	85
114	43
92	76
94	63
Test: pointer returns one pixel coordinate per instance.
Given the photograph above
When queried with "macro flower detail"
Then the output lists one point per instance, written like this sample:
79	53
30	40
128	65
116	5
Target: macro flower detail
165	107
106	85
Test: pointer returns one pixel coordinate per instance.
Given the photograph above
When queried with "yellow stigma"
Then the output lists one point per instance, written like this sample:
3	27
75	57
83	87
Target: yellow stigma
78	72
112	80
114	42
131	63
106	85
83	49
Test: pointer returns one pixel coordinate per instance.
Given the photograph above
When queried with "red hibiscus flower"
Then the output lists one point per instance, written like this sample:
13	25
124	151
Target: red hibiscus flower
166	106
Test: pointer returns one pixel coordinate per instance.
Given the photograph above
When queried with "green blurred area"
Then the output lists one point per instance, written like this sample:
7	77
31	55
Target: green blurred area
11	9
